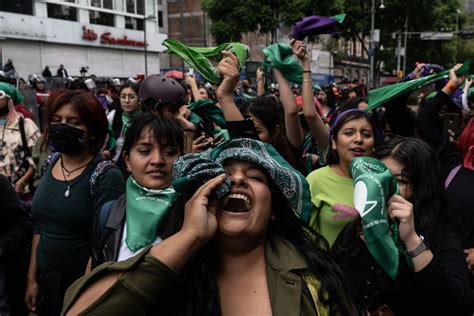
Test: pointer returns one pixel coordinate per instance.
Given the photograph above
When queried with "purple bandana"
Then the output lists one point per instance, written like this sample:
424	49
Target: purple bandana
315	24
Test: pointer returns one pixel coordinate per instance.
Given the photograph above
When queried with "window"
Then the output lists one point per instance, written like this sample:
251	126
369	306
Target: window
56	11
133	23
160	18
18	6
101	18
105	4
135	6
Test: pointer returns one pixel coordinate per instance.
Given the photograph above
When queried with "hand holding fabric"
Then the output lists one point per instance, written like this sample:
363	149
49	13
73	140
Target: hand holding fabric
402	210
457	80
229	70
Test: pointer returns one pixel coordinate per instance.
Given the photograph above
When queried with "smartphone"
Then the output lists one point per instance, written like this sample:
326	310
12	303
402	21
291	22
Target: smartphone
452	122
190	72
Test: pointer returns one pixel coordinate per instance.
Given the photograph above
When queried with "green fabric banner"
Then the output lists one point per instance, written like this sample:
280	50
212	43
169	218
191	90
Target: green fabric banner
382	95
373	186
200	58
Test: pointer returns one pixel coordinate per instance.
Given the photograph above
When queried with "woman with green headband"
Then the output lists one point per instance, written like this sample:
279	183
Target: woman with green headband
353	134
437	281
18	135
242	252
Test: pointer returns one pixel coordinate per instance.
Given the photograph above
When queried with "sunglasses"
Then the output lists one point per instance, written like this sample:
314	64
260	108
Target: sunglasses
3	95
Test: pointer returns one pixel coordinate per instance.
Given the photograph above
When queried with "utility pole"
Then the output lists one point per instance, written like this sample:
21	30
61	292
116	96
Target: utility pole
371	45
405	45
399	52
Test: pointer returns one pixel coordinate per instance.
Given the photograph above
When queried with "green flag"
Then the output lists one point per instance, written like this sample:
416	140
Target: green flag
281	57
200	58
373	186
384	94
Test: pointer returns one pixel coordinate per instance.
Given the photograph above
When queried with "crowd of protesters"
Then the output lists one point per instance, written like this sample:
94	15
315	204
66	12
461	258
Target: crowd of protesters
181	196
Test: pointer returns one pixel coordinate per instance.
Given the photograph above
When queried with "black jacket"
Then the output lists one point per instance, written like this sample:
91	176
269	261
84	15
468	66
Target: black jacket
16	230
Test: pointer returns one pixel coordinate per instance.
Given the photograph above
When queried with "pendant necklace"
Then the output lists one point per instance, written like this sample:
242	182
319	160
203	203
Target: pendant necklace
65	172
68	188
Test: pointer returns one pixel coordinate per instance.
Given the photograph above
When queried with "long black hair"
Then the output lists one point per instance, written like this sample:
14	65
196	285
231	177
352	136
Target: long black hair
200	272
422	170
270	112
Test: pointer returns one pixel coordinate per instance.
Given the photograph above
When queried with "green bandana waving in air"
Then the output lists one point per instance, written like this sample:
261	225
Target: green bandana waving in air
199	58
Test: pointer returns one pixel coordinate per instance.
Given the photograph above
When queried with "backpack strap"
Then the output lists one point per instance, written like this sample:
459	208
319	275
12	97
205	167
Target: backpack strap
26	148
98	170
104	214
51	158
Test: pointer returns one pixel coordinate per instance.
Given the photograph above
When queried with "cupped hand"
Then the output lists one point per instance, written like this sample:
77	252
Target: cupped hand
200	220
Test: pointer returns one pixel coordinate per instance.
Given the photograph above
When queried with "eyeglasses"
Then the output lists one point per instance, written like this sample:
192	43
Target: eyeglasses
3	95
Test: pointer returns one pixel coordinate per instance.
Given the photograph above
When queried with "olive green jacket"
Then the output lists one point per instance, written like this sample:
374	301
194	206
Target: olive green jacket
292	291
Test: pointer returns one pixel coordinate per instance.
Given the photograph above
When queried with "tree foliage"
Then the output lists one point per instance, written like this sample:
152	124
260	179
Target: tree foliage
232	18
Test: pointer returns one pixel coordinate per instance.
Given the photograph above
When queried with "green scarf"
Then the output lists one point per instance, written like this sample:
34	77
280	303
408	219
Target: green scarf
281	57
373	186
146	208
382	95
127	118
200	58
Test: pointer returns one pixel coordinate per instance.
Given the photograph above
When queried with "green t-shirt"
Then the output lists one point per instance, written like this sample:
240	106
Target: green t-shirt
65	225
332	196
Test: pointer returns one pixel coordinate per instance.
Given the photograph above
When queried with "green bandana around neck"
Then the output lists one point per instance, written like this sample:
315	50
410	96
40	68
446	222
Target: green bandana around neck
146	208
373	186
382	95
199	58
281	57
127	118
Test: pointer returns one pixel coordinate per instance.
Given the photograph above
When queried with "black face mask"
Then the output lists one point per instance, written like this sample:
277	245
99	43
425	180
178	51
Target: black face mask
66	139
4	110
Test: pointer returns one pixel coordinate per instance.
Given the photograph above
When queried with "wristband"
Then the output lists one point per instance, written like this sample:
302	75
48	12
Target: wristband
307	80
419	249
451	86
309	71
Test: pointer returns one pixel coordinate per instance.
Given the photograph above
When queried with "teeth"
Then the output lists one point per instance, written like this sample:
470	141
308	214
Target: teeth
242	197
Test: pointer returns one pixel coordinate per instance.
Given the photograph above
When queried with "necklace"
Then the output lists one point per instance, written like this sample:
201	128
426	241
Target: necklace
68	188
68	172
65	172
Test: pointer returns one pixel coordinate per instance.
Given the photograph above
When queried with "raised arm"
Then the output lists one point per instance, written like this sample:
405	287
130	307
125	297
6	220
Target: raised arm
318	130
228	69
260	82
191	81
294	131
122	291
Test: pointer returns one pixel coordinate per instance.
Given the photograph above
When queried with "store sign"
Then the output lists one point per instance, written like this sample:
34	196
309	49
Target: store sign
107	38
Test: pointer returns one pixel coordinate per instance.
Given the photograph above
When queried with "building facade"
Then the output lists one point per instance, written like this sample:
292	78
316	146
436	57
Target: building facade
105	37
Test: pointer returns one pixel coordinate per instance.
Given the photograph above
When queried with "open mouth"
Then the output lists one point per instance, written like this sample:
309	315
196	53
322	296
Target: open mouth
237	203
156	173
358	151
